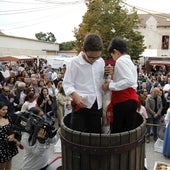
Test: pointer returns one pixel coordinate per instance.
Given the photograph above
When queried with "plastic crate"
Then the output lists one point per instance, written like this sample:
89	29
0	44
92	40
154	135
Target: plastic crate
158	146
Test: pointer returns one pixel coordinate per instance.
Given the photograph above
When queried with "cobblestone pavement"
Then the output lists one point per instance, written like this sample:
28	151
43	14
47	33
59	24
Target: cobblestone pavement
151	157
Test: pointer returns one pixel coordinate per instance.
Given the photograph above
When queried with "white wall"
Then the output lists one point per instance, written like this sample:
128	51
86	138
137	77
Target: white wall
10	45
153	36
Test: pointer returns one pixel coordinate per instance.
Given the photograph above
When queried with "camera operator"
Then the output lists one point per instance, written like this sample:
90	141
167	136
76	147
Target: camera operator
37	154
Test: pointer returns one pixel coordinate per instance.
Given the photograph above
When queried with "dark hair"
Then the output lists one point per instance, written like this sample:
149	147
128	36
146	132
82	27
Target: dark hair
35	110
29	89
117	44
93	42
30	95
44	88
2	104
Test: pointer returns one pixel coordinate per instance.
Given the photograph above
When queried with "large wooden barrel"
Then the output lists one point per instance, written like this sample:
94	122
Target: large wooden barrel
91	151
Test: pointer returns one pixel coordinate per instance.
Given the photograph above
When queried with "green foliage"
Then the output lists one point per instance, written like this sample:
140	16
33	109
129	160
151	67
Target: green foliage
49	36
110	19
70	45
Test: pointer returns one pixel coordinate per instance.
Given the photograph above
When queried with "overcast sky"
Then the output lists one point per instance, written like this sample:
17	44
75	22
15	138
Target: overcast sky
25	18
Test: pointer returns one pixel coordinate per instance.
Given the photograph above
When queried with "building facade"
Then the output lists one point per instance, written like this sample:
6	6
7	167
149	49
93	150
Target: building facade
19	46
156	31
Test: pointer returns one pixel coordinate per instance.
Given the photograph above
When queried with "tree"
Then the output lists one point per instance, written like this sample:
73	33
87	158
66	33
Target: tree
70	45
49	36
110	18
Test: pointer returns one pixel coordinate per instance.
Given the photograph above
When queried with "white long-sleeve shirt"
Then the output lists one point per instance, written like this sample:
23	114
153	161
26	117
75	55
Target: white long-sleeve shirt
85	79
36	156
125	74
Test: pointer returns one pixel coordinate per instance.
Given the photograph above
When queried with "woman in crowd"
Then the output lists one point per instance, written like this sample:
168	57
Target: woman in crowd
63	104
51	91
58	87
11	82
29	102
8	140
41	84
44	101
142	110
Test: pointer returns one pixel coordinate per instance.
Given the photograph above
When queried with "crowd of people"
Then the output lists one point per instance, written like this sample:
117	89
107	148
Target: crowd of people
26	89
154	92
79	89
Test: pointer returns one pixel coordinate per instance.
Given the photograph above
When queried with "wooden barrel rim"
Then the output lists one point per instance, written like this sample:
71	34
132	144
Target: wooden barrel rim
63	125
102	150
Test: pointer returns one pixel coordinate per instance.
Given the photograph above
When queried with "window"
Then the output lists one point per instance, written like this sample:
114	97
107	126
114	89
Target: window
165	42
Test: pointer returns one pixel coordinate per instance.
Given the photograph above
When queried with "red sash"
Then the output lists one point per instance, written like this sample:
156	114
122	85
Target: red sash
119	97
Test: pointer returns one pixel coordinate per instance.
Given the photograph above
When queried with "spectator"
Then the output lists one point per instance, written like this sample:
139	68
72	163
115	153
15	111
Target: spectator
63	102
58	87
9	99
19	93
53	75
41	84
165	104
34	84
27	81
22	75
8	139
51	88
14	70
5	72
58	79
30	102
29	90
51	91
143	95
154	109
148	84
46	78
166	87
44	101
11	82
142	110
1	78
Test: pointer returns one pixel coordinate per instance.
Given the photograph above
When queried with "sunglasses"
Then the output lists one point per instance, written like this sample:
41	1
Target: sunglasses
92	58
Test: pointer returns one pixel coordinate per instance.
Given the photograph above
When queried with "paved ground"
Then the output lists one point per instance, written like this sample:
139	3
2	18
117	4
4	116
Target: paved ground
151	157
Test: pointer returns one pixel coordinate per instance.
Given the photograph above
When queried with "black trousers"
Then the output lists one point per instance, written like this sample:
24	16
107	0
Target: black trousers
87	120
124	117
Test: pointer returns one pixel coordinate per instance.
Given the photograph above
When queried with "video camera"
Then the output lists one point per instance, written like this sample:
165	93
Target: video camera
32	123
